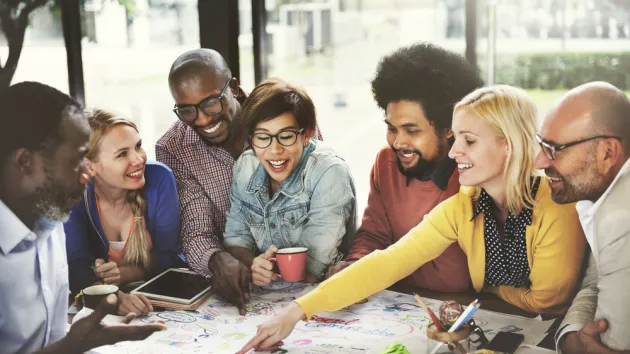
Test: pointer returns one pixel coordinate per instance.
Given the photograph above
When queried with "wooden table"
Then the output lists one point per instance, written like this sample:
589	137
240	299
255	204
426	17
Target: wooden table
489	302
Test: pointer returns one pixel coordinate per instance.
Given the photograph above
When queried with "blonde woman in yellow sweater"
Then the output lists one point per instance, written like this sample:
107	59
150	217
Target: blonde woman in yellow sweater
520	245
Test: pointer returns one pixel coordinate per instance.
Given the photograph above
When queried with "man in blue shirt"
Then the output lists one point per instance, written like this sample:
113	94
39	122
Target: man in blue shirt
43	139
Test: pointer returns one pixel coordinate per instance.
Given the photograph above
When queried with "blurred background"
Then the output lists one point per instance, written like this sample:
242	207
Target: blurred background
115	54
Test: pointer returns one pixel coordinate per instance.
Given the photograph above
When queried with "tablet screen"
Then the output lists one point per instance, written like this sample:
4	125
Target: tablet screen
176	284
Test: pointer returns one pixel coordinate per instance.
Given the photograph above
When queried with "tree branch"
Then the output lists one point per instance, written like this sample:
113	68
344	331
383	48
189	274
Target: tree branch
14	28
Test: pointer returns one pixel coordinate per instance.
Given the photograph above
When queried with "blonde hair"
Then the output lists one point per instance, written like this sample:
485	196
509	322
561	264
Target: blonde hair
511	114
138	253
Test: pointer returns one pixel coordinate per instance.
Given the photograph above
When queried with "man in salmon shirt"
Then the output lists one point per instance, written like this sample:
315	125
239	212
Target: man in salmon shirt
417	87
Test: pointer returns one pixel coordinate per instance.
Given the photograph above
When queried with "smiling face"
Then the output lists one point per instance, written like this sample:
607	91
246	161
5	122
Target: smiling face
410	134
480	154
280	161
573	174
214	129
120	159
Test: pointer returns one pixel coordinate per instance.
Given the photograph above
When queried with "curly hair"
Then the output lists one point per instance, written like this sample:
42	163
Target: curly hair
425	73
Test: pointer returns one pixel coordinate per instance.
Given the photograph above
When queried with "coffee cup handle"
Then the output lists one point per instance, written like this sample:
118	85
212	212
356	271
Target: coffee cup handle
79	302
273	259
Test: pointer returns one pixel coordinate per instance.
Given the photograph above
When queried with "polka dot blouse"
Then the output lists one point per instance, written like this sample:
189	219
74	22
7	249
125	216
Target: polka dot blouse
506	263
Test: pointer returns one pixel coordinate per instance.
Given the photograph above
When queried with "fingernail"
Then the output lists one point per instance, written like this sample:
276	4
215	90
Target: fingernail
111	299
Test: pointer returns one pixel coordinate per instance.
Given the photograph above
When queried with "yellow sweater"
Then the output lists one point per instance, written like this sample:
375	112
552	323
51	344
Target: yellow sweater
555	250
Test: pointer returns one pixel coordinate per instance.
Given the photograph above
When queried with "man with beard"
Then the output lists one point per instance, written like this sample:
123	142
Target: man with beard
417	87
585	143
42	175
201	149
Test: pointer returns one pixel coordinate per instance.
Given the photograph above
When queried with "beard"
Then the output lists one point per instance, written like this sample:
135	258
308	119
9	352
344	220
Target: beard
51	199
583	184
421	168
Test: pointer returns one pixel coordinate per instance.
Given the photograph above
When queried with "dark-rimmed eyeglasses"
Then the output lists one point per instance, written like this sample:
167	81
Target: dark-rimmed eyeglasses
210	106
285	138
550	150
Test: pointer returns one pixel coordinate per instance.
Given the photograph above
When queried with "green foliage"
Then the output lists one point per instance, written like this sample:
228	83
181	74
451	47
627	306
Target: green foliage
564	70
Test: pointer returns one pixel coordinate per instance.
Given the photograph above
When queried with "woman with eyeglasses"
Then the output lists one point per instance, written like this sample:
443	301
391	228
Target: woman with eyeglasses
289	190
520	245
126	227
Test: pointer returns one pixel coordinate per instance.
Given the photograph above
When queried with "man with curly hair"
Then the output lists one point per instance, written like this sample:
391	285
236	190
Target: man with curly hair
417	87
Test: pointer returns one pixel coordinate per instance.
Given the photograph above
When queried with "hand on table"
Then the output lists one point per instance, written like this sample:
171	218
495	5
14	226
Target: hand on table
89	332
230	279
271	333
133	303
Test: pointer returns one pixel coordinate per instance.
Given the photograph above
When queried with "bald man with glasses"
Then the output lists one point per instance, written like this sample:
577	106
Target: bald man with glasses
585	150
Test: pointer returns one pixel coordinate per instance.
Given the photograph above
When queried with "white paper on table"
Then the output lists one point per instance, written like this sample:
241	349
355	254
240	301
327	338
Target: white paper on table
387	317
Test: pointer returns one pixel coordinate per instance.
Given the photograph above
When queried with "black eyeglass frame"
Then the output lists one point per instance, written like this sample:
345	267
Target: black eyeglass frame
271	136
553	149
198	106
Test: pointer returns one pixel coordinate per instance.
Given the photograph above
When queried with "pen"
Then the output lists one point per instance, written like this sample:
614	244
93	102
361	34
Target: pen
460	320
436	321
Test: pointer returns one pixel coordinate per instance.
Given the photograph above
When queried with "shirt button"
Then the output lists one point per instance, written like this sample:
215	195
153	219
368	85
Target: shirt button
272	225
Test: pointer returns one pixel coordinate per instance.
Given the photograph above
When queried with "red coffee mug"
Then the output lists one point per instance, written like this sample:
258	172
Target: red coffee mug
291	263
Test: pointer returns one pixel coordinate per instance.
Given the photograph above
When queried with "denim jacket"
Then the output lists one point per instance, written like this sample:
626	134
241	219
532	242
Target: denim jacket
315	207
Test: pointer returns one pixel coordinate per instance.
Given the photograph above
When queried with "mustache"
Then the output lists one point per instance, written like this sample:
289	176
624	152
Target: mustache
406	151
552	172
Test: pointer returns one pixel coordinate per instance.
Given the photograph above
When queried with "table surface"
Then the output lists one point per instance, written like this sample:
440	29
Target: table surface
488	302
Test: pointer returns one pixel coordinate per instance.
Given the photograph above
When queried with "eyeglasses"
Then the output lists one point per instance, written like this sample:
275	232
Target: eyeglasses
285	138
550	150
211	106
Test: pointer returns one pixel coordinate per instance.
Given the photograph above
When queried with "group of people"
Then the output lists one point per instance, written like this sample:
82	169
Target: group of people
456	201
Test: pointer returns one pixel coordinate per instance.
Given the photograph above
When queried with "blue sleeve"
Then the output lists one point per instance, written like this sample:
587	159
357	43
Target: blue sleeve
165	236
237	230
80	259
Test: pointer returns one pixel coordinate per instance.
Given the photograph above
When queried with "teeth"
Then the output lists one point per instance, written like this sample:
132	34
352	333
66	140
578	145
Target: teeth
464	166
135	174
555	179
277	163
213	129
409	155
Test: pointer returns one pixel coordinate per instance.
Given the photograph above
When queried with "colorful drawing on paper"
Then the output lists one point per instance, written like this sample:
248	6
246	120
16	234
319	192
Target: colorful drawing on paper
365	327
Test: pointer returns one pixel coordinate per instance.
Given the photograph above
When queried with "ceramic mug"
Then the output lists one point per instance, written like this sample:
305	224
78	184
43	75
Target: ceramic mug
291	263
95	294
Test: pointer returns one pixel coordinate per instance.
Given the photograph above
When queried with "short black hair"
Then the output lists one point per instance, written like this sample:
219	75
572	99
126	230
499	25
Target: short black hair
425	73
31	115
274	97
198	62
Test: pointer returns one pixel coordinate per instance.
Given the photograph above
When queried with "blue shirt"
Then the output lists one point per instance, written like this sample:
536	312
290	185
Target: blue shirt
315	207
86	240
33	284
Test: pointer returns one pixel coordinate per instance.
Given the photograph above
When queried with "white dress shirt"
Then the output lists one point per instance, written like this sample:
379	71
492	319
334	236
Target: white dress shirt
586	210
33	283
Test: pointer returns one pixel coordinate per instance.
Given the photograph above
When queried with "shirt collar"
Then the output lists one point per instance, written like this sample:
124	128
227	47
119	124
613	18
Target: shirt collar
13	231
587	208
441	174
485	204
293	185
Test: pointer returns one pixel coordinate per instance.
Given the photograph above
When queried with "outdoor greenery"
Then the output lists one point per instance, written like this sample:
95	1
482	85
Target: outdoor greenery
563	70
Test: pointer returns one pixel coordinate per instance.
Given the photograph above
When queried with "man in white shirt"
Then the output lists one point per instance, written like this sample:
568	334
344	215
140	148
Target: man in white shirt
585	143
43	138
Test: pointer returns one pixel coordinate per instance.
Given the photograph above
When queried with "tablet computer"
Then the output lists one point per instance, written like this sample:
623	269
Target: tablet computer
176	285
